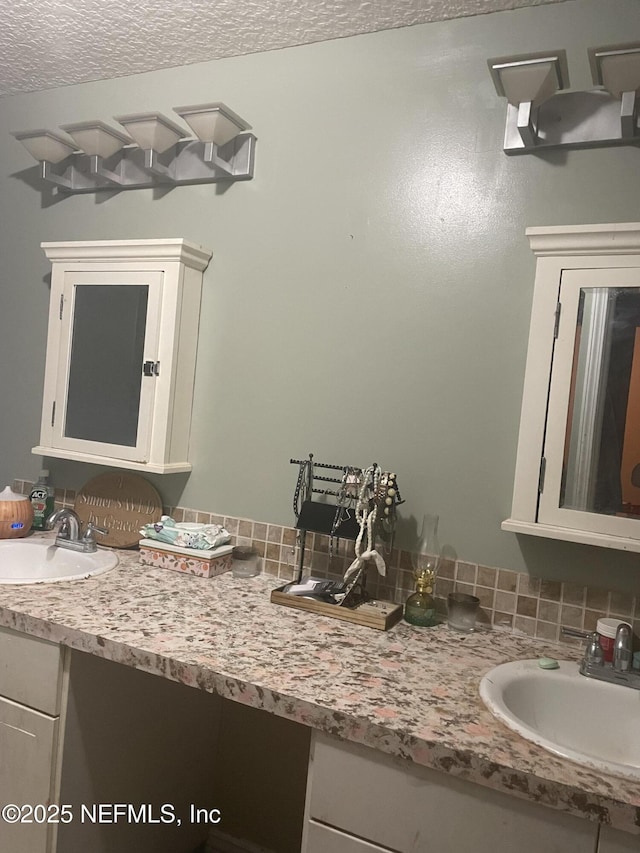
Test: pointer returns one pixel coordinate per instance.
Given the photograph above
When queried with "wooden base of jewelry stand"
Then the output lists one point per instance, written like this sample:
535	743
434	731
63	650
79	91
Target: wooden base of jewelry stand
381	615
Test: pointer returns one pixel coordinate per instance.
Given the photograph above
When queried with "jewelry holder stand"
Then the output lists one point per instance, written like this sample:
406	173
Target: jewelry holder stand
336	516
332	519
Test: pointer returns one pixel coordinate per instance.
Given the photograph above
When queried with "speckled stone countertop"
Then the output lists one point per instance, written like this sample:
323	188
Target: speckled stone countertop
409	692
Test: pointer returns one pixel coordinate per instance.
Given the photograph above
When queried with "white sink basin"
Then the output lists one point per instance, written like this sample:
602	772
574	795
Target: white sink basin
25	561
587	721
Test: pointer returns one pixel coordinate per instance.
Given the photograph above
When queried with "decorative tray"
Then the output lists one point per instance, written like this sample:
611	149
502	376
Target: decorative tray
374	613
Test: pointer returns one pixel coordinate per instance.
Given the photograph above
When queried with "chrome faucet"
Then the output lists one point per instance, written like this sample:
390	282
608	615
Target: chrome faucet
593	664
69	524
69	531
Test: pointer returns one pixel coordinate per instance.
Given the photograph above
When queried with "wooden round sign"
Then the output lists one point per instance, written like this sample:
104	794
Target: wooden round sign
122	503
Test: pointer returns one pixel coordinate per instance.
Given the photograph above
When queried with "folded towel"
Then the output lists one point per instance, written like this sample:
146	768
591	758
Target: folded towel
186	534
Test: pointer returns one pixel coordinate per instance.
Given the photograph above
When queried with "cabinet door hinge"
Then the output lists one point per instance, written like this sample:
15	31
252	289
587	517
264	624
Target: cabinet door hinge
543	468
151	368
53	413
61	306
557	320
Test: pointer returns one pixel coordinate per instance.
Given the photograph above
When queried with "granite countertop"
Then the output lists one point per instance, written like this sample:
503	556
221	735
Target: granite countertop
409	692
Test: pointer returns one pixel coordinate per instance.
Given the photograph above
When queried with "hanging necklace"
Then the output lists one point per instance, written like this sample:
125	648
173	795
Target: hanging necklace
366	513
346	495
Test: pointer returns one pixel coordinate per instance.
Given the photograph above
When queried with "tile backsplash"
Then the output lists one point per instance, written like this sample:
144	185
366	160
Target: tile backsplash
509	600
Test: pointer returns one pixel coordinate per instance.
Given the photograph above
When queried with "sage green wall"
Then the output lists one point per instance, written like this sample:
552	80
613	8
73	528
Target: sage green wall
370	290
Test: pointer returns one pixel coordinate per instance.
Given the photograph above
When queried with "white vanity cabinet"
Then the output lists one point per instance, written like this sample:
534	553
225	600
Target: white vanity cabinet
121	352
615	841
362	801
32	681
87	735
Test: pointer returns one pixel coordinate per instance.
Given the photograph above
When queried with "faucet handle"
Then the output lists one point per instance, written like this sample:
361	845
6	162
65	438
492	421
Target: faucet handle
89	537
593	653
622	648
575	632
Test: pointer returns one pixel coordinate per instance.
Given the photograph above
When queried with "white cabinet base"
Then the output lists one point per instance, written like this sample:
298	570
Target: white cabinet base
28	741
78	731
136	739
401	807
614	841
325	839
150	467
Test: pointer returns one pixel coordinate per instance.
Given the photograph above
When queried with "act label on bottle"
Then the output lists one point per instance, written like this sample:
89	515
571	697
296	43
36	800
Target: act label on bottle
42	503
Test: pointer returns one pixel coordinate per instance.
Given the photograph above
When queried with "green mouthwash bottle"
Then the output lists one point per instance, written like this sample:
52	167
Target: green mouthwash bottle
42	501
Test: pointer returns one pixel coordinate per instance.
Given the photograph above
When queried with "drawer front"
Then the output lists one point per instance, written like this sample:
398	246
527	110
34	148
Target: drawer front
324	839
414	809
30	671
27	752
615	841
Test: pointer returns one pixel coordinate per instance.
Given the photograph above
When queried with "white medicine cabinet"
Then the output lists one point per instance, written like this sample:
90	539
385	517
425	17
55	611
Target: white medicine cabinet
121	352
578	464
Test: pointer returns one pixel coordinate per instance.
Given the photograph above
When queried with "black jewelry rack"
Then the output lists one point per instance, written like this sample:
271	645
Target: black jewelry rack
335	519
360	506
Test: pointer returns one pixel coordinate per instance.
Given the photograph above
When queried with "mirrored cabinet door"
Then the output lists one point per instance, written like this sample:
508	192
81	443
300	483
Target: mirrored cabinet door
592	445
109	332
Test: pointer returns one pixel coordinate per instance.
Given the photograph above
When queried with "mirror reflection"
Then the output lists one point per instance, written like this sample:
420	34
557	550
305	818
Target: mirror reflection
105	373
601	471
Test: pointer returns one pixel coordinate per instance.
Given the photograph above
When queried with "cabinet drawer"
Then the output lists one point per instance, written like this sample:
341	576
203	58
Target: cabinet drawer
615	841
413	809
30	671
324	839
27	751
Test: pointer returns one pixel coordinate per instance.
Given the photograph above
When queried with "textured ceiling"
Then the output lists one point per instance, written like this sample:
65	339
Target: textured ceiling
49	43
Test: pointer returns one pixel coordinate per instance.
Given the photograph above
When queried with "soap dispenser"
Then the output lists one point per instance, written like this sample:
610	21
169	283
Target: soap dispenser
420	607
